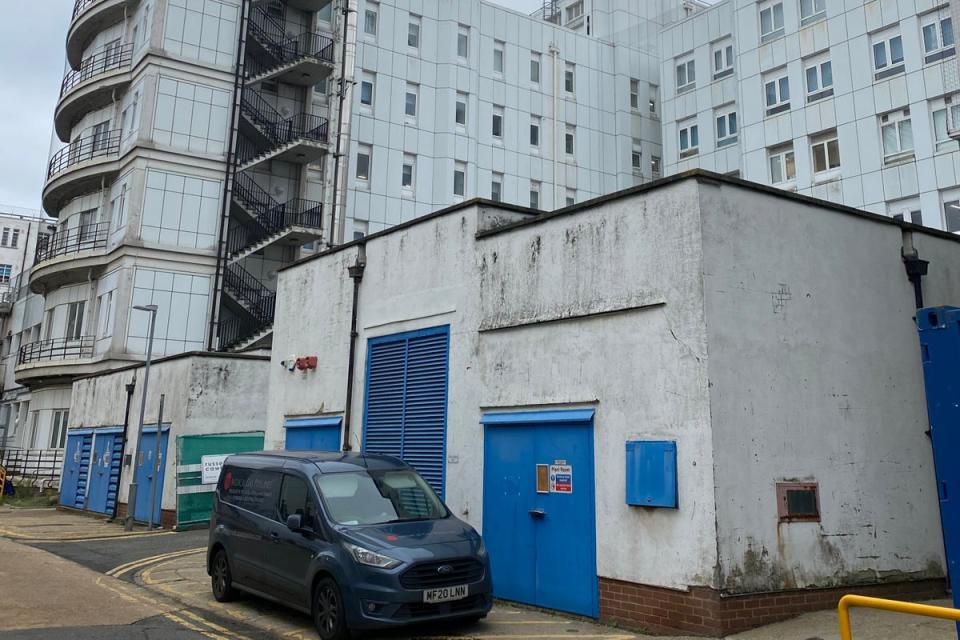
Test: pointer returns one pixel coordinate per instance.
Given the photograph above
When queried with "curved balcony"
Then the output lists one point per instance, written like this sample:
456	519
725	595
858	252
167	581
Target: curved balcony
90	17
69	256
56	360
80	167
91	86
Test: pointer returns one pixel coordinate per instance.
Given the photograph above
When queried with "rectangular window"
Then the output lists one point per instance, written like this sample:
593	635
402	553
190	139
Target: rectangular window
568	139
459	179
887	54
463	41
812	10
686	76
253	490
798	502
571	197
636	156
634	93
534	194
75	320
569	77
5	239
726	128
497	124
413	32
652	100
535	131
826	153
946	122
460	112
58	430
905	210
783	167
5	270
496	187
722	60
819	76
535	67
575	11
367	84
370	18
689	138
951	215
104	313
937	30
498	51
771	22
364	153
408	171
410	102
655	166
776	92
896	134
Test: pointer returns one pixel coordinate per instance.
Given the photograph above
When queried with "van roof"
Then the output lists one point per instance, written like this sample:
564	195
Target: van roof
326	461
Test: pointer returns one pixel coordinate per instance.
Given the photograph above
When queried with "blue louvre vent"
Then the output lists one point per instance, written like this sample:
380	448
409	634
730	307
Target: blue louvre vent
652	473
405	411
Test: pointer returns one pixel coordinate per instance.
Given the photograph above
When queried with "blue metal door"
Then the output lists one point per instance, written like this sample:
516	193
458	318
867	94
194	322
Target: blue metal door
105	470
76	466
313	434
150	469
405	409
538	508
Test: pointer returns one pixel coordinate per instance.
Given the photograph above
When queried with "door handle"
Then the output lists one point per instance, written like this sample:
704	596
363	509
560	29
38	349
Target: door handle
537	513
274	536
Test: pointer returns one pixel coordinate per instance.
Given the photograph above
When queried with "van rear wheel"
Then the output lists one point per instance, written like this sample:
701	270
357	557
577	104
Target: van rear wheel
329	615
220	578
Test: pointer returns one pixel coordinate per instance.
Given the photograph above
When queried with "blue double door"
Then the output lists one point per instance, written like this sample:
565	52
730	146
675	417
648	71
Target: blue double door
104	475
539	521
149	471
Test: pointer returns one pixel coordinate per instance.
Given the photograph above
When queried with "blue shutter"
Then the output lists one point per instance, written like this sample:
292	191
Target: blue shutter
406	401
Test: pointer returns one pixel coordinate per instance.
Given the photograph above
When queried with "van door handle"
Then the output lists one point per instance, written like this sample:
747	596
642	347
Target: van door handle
537	513
274	536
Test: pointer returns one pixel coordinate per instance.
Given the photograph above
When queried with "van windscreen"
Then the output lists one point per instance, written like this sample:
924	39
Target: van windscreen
378	497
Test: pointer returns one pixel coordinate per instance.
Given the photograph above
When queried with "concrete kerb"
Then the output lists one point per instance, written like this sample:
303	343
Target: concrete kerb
54	525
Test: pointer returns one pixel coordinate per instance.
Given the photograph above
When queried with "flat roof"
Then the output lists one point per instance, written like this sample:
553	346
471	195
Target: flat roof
537	216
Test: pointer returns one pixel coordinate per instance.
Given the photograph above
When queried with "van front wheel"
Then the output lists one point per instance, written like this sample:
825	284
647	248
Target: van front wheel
329	615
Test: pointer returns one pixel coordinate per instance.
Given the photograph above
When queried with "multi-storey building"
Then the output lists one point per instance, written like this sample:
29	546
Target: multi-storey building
851	102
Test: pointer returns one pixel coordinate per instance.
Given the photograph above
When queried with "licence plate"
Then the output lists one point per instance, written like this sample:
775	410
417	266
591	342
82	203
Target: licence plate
445	594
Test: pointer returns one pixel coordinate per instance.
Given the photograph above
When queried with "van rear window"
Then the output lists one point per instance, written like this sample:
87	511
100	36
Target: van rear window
251	489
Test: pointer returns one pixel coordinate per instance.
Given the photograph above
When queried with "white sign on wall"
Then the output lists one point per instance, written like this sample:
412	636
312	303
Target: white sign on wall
210	468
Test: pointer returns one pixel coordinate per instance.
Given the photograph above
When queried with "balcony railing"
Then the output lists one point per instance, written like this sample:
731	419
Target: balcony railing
109	60
33	463
67	241
57	349
99	145
80	6
235	330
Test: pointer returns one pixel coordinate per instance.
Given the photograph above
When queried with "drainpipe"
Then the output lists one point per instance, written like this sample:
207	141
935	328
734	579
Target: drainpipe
342	99
130	386
915	267
356	273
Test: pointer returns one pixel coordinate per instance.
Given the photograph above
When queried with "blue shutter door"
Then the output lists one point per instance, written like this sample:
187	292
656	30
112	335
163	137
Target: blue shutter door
405	412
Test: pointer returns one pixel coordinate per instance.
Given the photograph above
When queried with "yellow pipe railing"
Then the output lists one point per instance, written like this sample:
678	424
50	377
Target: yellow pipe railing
848	601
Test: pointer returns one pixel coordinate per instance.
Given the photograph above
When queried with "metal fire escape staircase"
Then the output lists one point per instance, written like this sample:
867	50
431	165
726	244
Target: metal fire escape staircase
303	59
266	134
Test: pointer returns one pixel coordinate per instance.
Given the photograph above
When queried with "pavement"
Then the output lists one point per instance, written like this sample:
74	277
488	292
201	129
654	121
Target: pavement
70	575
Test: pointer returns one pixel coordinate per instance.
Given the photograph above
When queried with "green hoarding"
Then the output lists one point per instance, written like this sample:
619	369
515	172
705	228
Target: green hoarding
194	498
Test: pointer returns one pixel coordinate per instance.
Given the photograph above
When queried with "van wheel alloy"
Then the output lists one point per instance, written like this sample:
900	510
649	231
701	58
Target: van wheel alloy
220	578
328	612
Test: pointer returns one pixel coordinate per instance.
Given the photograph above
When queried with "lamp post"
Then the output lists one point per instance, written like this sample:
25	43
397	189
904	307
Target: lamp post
132	493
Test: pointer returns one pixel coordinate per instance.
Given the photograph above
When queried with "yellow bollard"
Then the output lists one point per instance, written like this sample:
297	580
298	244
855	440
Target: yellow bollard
848	601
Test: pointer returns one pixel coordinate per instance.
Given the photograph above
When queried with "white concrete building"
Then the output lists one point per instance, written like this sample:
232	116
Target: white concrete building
852	102
700	320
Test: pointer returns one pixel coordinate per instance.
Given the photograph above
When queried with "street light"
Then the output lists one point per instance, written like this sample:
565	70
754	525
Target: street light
132	493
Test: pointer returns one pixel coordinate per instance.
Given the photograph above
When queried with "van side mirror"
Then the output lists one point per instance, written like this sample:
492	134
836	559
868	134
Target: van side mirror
295	522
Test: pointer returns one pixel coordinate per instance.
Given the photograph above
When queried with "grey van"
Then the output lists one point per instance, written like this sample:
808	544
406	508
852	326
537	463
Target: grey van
357	541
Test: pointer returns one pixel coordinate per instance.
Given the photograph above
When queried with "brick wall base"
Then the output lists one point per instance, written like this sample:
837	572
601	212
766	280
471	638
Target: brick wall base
168	517
703	611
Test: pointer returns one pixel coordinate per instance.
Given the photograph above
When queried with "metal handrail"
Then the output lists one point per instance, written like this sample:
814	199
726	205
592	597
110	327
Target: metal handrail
267	29
108	60
32	463
82	149
261	301
296	212
851	600
278	129
57	349
309	44
237	329
67	241
80	6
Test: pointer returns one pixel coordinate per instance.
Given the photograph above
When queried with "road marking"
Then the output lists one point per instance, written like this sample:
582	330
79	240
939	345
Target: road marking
7	533
143	562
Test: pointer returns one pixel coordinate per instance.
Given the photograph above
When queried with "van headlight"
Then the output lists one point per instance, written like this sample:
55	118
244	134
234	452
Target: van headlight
371	558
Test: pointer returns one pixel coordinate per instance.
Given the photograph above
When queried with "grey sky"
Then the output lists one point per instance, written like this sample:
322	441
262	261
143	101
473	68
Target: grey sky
32	34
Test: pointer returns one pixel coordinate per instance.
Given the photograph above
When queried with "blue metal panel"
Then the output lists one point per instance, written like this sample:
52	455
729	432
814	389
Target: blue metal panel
405	409
83	472
313	434
150	469
100	472
73	460
525	417
939	329
542	545
652	473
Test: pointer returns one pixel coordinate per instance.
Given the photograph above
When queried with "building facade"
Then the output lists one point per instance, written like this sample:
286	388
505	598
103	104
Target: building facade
852	102
695	449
